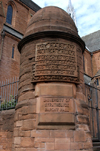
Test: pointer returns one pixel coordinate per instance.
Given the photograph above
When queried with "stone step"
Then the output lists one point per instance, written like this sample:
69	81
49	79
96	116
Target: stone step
96	146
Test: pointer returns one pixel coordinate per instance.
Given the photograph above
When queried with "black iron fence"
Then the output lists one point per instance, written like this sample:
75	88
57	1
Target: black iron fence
93	100
8	93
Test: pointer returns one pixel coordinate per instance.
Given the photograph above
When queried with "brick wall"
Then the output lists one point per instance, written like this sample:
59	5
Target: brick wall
6	130
9	67
96	62
21	15
88	63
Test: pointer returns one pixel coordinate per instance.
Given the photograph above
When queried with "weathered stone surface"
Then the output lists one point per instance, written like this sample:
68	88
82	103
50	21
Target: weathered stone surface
39	145
76	146
55	89
18	123
55	105
17	140
62	140
84	127
56	60
50	146
82	119
24	133
55	118
28	116
62	146
40	133
61	134
16	132
27	142
28	125
26	96
79	136
51	115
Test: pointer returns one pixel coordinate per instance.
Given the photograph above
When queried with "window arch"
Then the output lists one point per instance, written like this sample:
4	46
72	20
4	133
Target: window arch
9	14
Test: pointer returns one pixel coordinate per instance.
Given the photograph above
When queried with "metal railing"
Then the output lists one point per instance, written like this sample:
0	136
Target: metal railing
93	97
8	93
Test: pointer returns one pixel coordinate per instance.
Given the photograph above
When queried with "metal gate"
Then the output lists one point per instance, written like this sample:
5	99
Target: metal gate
93	100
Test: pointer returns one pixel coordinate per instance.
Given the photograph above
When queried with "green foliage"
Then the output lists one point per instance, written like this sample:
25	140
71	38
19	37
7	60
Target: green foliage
8	105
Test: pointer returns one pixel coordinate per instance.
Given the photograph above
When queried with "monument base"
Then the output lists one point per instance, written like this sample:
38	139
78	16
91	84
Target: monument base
52	122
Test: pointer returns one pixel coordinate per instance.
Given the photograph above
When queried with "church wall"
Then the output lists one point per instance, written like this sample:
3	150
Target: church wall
96	62
21	13
9	67
87	62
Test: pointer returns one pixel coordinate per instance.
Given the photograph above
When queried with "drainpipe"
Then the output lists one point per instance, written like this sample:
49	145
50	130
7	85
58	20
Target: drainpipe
92	63
2	42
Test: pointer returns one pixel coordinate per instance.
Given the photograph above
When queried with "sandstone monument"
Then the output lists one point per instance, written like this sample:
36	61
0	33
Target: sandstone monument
51	114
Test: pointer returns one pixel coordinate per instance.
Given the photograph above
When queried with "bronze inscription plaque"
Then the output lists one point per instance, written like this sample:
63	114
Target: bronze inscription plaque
55	61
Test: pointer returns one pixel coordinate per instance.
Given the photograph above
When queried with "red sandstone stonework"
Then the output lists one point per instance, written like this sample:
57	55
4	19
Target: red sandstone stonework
51	114
9	67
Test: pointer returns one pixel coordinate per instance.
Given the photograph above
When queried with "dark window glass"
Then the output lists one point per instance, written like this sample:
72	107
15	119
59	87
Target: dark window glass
13	52
9	14
97	81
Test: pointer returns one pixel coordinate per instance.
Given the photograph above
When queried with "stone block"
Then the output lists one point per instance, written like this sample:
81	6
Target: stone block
17	140
80	95
61	134
27	116
88	136
25	133
62	146
58	134
19	123
39	145
56	118
50	146
62	140
69	133
55	89
26	88
82	119
76	146
88	145
48	140
79	136
27	142
28	125
55	105
83	127
26	96
16	132
31	109
40	133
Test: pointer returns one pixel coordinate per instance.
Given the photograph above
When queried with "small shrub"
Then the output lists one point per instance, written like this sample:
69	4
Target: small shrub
8	105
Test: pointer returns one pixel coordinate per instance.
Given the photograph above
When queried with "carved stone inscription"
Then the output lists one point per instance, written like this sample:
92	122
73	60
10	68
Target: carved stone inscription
55	59
55	111
54	105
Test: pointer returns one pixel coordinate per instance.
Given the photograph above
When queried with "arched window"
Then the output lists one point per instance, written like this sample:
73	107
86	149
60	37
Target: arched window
9	14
